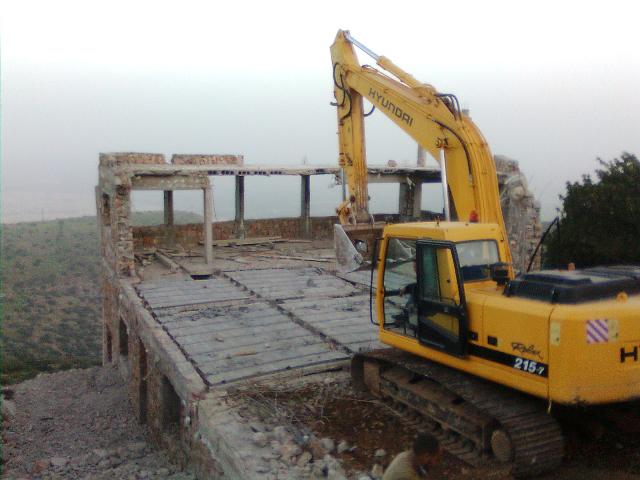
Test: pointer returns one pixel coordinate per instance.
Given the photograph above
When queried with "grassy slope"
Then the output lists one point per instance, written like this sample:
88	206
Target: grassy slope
50	294
51	307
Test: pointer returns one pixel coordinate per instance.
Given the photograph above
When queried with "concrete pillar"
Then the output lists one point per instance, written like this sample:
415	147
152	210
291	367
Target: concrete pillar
239	221
405	200
168	208
417	198
122	233
168	218
422	157
305	206
410	198
208	226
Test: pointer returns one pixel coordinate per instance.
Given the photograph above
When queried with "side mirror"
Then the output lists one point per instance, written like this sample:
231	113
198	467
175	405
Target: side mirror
500	273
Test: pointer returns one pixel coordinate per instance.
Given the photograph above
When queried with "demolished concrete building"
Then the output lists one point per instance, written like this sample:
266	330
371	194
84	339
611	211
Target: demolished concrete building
197	329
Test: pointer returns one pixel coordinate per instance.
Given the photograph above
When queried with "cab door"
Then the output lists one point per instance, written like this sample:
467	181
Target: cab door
442	312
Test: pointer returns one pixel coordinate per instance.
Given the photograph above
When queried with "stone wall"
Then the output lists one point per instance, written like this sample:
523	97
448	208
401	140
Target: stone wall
521	212
190	235
163	386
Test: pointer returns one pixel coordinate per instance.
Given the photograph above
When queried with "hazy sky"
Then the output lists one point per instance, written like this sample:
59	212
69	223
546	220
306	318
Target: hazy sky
551	84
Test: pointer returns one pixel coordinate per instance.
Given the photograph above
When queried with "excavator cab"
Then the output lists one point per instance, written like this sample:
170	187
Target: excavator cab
423	293
424	268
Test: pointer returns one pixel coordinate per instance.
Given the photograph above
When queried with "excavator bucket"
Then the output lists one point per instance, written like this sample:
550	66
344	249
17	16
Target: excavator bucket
353	244
348	258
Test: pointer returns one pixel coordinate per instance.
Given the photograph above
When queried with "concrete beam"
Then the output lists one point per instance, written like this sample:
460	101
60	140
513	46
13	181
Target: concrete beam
402	178
160	170
169	182
305	205
239	220
207	160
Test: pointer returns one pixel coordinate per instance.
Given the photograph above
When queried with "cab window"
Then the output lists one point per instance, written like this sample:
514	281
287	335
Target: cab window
400	279
476	258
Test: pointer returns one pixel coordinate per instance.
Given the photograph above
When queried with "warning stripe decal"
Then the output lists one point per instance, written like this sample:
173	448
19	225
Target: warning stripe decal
597	331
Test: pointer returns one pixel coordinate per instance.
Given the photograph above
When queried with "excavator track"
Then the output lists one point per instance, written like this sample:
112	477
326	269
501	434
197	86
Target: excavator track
478	421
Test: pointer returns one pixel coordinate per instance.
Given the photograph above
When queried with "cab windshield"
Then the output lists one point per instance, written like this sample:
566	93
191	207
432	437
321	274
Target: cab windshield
476	258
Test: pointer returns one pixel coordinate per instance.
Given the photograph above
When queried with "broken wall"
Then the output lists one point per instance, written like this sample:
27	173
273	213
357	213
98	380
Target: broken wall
521	212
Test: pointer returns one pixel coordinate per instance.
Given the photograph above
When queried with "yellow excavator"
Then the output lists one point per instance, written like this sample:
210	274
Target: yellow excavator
480	354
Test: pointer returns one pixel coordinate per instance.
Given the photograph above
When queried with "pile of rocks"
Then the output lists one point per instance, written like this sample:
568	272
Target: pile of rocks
289	454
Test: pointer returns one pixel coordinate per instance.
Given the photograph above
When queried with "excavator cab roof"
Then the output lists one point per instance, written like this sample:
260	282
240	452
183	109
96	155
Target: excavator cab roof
451	231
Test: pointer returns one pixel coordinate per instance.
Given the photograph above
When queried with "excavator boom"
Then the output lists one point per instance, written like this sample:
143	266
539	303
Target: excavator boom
434	120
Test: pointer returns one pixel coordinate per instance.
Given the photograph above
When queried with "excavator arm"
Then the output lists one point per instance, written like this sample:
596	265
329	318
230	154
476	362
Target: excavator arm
432	119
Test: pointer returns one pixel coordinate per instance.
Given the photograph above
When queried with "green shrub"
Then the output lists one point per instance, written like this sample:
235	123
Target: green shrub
600	219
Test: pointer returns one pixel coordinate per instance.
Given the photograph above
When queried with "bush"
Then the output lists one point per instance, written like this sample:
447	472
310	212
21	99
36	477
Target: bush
600	220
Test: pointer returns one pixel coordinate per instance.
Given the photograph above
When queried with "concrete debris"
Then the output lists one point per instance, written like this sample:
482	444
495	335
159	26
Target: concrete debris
281	434
275	448
343	446
40	465
256	427
377	471
304	459
260	439
288	451
380	453
8	408
138	447
59	461
317	449
328	444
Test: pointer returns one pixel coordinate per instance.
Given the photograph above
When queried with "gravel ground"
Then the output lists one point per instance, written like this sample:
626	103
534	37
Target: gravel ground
364	435
77	424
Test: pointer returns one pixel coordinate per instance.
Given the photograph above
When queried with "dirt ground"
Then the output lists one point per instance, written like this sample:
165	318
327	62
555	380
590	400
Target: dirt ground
79	424
334	410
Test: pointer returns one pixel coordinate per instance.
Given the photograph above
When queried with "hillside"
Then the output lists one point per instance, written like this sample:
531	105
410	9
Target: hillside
50	294
51	305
